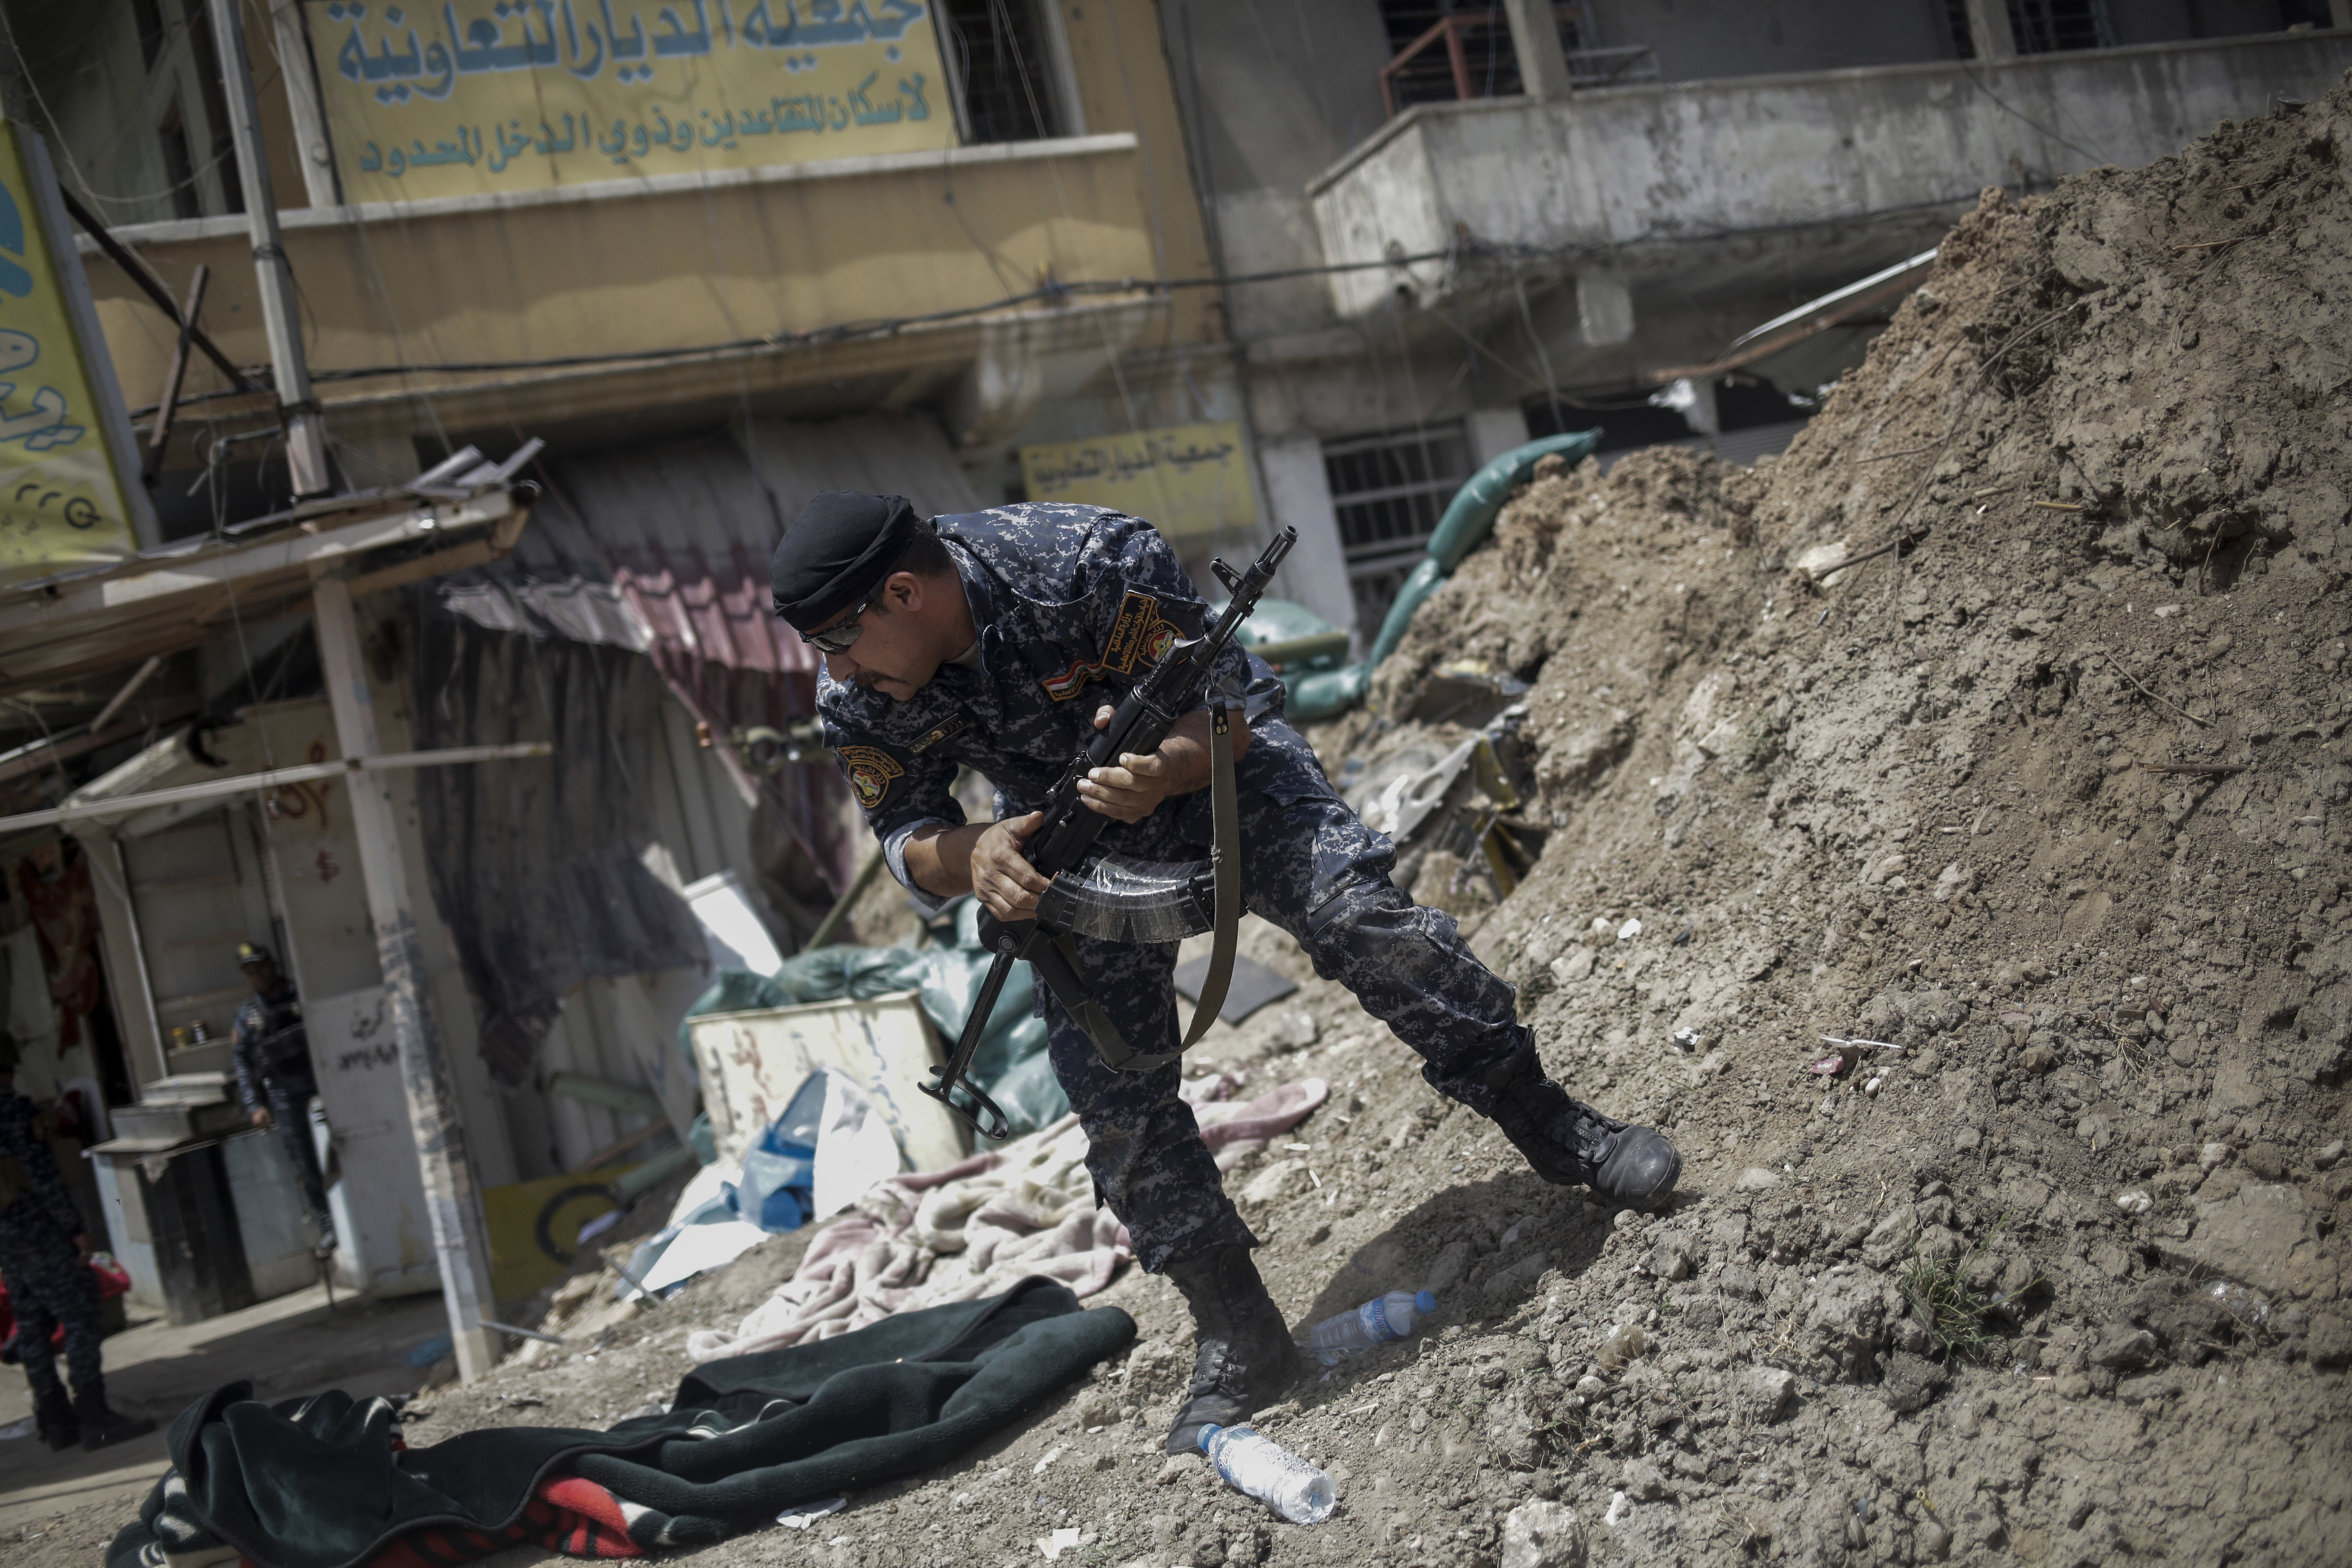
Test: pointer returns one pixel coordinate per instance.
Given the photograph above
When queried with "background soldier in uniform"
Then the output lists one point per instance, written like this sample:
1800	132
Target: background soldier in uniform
45	1259
973	640
273	1077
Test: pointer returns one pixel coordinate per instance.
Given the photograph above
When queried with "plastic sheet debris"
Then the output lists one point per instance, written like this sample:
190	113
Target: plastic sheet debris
1062	1539
800	1515
2249	1306
775	1188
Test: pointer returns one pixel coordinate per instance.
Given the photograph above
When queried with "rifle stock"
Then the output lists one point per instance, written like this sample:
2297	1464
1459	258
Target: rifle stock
1139	725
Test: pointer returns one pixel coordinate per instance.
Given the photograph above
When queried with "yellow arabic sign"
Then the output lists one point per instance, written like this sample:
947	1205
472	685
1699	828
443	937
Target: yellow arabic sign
1185	481
64	496
472	96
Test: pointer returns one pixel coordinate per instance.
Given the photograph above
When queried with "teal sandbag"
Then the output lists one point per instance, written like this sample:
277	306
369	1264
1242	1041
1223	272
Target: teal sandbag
1426	579
1325	694
1470	517
823	973
1279	620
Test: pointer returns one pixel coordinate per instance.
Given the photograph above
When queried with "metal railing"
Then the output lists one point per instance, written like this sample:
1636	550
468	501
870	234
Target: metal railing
1497	73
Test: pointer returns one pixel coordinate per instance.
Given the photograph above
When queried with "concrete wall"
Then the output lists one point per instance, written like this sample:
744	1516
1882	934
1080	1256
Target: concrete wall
1647	169
1273	95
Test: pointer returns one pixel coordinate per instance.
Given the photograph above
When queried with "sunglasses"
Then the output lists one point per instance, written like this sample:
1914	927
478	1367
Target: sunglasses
838	636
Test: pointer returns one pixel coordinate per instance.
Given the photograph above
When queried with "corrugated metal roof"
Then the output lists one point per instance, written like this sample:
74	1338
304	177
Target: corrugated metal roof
665	546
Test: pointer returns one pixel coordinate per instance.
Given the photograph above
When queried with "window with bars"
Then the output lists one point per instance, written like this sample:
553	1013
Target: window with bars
1001	58
1388	491
2042	26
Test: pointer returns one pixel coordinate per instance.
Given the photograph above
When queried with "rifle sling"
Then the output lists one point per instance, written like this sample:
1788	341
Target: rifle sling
1225	863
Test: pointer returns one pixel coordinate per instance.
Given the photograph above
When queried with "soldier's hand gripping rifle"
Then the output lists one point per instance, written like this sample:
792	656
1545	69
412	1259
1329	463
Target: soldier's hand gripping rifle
1107	895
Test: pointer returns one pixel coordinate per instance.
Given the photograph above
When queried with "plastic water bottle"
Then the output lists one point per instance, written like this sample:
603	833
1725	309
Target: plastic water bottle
1383	1321
1256	1466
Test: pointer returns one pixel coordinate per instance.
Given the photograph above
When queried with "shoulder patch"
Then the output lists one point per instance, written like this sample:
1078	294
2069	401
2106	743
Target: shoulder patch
871	772
1141	634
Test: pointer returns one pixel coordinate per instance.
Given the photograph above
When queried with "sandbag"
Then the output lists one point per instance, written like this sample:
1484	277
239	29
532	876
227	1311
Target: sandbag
1470	515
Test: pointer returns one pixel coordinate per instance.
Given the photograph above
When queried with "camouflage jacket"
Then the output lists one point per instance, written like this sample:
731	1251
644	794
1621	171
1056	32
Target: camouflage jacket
1073	604
28	1172
267	1043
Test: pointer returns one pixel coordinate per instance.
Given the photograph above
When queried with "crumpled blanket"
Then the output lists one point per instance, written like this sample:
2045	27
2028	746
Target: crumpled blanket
926	1238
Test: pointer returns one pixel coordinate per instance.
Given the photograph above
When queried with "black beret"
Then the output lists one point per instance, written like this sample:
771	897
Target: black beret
836	553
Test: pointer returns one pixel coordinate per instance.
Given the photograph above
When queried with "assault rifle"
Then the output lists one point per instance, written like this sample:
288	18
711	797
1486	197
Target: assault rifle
1108	895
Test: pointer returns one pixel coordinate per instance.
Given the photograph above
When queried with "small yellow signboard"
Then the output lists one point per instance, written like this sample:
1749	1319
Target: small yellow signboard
466	97
65	496
1187	480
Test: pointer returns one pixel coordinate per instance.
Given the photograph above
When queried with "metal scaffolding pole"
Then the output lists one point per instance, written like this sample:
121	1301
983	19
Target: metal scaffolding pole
306	433
460	1241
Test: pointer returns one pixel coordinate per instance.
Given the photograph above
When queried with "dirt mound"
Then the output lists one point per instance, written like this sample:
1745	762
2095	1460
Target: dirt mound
2047	799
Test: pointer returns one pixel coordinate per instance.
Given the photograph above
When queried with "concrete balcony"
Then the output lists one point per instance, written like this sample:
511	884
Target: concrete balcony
1779	180
605	307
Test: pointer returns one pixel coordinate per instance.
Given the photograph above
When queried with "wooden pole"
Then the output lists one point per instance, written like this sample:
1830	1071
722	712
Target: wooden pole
451	1201
313	147
174	374
306	435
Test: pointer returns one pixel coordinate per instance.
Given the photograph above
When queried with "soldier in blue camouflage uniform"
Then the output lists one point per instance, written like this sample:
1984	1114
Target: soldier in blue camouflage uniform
997	641
45	1260
271	1052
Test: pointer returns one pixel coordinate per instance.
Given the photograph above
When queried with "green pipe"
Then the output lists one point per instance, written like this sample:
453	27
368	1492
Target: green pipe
1468	520
645	1178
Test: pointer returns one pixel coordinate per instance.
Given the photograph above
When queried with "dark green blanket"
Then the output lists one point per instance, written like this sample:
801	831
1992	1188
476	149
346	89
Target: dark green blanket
322	1483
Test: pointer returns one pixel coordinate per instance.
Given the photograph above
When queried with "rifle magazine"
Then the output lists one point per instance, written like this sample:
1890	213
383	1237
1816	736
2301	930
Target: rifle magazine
1117	898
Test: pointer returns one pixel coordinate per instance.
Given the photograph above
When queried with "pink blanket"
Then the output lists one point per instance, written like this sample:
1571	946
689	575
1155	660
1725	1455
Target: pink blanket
973	1229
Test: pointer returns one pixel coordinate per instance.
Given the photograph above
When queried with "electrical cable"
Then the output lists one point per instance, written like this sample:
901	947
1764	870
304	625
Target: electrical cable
1058	293
2002	104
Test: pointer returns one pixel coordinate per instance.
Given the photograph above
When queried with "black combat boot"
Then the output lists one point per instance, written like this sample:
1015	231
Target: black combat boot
102	1428
53	1418
1571	1144
1246	1355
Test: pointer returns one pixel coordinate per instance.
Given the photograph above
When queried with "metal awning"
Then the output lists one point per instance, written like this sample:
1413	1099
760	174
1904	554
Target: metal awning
189	592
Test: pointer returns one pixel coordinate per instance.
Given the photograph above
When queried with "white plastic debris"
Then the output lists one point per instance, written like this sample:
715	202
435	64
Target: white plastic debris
1060	1540
1617	1502
802	1515
1052	1455
2135	1202
1629	931
1686	1040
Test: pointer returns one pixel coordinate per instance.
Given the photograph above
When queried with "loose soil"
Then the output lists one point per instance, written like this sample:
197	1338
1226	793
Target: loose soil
2047	805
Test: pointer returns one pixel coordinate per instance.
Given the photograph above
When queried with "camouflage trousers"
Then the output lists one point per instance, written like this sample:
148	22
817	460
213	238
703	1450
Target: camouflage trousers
50	1284
289	1114
1311	867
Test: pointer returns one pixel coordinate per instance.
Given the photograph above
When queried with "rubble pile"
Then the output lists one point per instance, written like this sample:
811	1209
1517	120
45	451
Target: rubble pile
1974	917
